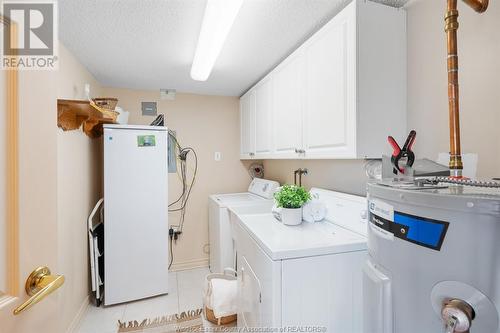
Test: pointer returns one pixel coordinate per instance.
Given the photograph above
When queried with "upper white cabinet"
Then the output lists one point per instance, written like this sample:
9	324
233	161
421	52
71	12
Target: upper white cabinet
247	122
288	79
330	89
339	95
263	117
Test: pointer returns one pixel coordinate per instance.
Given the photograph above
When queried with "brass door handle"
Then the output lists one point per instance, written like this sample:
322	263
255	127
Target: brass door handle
39	285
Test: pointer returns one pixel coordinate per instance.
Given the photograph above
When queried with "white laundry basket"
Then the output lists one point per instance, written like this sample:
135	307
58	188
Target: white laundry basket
208	297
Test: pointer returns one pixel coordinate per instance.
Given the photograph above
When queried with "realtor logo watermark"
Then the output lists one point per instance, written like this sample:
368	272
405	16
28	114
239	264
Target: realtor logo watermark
29	37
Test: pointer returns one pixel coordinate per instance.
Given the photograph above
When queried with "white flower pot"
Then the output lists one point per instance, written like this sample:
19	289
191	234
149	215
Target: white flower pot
291	216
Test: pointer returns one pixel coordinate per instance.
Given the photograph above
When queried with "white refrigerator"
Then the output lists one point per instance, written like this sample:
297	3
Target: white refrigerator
135	212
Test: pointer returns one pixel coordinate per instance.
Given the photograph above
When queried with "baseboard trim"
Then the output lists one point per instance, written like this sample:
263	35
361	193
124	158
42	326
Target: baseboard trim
75	323
189	264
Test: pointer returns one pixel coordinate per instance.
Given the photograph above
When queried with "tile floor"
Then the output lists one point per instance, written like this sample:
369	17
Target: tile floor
186	294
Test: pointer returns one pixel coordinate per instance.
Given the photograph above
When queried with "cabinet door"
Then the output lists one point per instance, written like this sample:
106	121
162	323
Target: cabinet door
288	106
330	101
247	124
249	296
263	117
334	288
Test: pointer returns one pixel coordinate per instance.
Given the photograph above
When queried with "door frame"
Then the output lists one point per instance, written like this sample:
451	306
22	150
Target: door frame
11	145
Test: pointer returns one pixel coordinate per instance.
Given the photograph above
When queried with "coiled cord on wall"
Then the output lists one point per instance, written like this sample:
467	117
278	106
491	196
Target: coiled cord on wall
179	204
187	187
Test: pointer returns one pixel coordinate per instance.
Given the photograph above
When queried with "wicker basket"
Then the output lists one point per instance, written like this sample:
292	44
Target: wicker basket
209	313
104	112
107	103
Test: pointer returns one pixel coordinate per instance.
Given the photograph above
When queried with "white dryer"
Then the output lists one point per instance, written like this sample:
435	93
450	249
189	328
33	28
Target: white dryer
222	250
304	276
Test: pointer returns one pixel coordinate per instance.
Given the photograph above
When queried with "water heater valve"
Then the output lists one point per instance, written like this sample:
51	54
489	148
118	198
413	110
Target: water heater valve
457	316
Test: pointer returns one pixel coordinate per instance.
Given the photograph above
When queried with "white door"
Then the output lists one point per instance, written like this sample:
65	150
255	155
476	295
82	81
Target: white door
330	87
28	217
247	124
288	106
249	296
263	117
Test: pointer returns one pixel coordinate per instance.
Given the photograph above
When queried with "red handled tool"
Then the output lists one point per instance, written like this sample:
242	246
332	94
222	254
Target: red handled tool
405	152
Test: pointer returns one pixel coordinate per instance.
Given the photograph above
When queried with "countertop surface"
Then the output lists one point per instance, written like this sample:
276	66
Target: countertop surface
281	242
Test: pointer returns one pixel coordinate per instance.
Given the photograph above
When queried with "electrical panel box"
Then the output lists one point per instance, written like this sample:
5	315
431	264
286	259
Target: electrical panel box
172	152
148	108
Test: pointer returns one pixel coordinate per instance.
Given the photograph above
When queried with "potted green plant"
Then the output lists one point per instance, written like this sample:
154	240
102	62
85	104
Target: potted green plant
291	198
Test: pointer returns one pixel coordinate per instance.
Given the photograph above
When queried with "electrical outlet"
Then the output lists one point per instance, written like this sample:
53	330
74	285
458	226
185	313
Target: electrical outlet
218	156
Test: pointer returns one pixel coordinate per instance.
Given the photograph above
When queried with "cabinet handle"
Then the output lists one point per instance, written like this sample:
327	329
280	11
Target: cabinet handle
300	151
252	154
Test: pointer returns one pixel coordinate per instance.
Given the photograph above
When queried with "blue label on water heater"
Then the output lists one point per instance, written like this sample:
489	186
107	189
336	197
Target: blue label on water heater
422	231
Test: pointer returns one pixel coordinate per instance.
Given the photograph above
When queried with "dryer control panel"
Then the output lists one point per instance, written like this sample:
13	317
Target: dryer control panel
263	187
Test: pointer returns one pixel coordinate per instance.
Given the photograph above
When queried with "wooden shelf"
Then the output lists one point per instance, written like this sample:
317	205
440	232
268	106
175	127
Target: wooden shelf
72	114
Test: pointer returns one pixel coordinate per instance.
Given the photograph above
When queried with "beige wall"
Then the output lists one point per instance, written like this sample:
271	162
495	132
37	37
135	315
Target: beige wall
79	179
208	124
341	175
479	47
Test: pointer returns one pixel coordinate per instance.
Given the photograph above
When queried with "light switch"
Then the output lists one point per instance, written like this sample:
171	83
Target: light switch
218	156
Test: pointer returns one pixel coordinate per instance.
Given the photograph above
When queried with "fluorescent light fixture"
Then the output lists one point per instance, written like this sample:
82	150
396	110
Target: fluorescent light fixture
217	22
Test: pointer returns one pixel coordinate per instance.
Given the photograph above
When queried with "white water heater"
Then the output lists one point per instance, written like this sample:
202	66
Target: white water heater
434	260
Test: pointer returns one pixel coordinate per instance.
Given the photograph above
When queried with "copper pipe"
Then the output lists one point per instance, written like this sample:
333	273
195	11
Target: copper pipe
479	6
451	27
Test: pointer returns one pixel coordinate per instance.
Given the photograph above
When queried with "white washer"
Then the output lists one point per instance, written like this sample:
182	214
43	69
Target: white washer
222	251
306	275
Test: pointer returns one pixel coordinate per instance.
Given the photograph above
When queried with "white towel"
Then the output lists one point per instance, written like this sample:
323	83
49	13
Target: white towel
314	211
276	212
223	297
